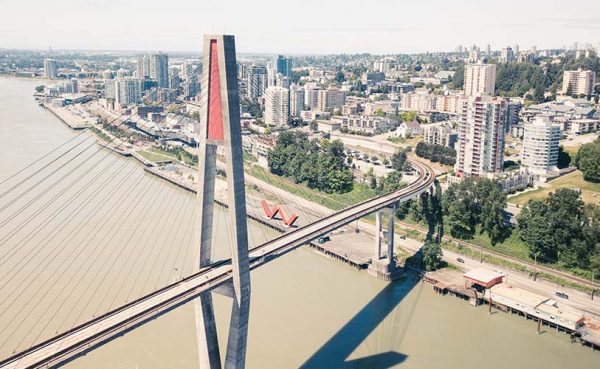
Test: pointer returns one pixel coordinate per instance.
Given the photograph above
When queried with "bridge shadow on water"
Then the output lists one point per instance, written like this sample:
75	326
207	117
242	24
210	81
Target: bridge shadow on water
335	352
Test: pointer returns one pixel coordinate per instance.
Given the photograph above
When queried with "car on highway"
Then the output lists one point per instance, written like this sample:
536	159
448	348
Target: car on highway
562	295
324	239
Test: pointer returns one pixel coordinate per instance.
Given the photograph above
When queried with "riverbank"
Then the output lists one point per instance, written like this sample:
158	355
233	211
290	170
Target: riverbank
545	312
73	119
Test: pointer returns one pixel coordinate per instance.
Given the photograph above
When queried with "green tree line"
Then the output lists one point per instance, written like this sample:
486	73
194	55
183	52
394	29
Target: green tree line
321	165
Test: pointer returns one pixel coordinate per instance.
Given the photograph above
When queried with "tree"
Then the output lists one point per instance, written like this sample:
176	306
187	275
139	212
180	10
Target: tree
492	209
588	161
392	182
432	256
321	165
553	228
535	230
564	159
398	159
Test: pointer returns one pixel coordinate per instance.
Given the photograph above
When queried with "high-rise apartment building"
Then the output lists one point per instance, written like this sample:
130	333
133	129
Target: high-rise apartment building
257	82
578	82
507	55
330	99
277	106
540	145
143	66
311	97
128	91
50	68
296	100
283	65
481	128
480	79
159	69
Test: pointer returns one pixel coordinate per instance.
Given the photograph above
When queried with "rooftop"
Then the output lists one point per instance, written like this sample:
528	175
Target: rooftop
483	275
516	294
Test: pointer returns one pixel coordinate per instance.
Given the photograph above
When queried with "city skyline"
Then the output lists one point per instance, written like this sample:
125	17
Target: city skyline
414	28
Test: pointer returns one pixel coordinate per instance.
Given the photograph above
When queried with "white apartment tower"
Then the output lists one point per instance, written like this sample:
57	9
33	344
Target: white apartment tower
50	68
578	82
480	79
277	106
540	145
481	127
296	100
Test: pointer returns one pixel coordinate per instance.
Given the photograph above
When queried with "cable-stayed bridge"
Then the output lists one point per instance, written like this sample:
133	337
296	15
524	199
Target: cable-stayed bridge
220	128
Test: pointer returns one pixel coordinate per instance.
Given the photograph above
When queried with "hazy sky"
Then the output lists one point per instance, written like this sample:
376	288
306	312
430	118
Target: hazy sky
298	26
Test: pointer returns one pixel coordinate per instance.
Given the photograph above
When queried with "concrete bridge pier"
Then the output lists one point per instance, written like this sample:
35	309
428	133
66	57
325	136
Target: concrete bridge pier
383	266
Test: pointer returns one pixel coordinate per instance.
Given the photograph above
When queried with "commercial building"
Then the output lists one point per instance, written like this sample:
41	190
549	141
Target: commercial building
128	91
50	68
481	128
540	145
257	82
578	82
277	106
480	79
283	65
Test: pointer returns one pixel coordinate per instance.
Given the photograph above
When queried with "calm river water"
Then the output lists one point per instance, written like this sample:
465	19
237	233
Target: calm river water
98	232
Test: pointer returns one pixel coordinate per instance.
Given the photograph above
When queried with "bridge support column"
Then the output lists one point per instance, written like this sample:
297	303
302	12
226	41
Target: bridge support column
384	266
220	126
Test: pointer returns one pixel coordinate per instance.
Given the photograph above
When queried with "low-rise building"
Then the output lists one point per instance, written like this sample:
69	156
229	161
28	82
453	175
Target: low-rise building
581	126
328	126
364	123
310	115
483	277
439	134
409	129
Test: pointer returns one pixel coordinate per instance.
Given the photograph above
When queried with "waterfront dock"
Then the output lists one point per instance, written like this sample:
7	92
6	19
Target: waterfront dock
355	249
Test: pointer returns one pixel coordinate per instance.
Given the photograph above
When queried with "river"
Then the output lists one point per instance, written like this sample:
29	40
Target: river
123	232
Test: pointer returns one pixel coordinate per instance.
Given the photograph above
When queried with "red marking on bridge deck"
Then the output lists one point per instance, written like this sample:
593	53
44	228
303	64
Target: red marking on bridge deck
287	221
267	210
215	107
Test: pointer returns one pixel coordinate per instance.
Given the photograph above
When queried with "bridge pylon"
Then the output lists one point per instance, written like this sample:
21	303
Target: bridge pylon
383	265
220	127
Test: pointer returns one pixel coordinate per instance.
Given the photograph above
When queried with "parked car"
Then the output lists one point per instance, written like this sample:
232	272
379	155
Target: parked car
460	260
324	239
562	295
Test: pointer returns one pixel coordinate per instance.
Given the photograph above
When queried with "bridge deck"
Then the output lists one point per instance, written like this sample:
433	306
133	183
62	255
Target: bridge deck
68	344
